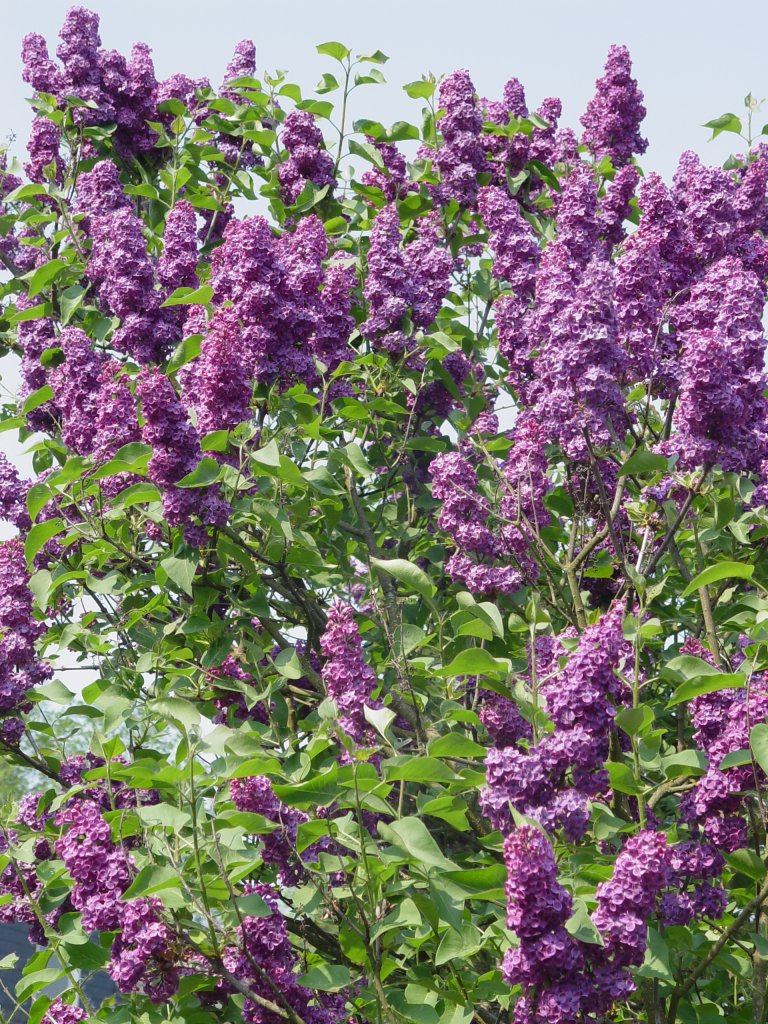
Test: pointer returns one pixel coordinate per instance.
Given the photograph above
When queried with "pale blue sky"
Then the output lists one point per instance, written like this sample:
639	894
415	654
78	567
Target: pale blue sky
695	59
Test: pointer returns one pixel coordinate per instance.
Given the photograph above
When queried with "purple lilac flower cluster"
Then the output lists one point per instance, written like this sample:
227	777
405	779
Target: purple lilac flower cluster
722	412
613	116
695	868
689	241
122	91
100	870
547	962
624	904
145	953
348	679
98	882
233	702
308	160
403	282
464	517
264	960
175	453
20	668
565	980
462	155
553	778
122	270
60	1012
715	807
13	495
255	795
392	177
276	307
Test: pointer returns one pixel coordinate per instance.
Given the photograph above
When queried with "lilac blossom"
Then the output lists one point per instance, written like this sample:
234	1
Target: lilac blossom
613	116
255	795
462	154
176	452
348	679
308	160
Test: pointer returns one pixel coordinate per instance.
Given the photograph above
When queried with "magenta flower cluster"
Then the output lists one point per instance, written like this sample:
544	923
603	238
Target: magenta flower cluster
464	516
20	668
566	980
553	778
349	680
255	795
264	960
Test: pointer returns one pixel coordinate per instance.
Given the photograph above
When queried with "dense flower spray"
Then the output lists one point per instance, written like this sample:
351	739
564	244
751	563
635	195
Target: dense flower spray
374	501
613	117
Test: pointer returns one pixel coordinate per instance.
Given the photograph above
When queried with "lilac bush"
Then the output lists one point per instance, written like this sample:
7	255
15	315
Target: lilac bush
382	627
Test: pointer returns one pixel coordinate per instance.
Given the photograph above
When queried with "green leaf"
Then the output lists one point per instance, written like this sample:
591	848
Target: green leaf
26	192
253	905
288	665
643	462
37	398
401	131
720	571
724	123
635	720
181	571
136	455
164	816
38	497
189	297
377	57
736	759
151	879
410	768
177	710
268	455
747	862
70	301
476	661
581	926
40	585
328	83
33	313
480	883
405	572
412	836
336	50
39	535
38	979
758	741
55	691
455	744
86	956
622	778
326	978
354	455
371	77
420	90
379	718
656	964
43	276
405	915
321	790
707	684
204	474
457	945
184	353
216	441
684	764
